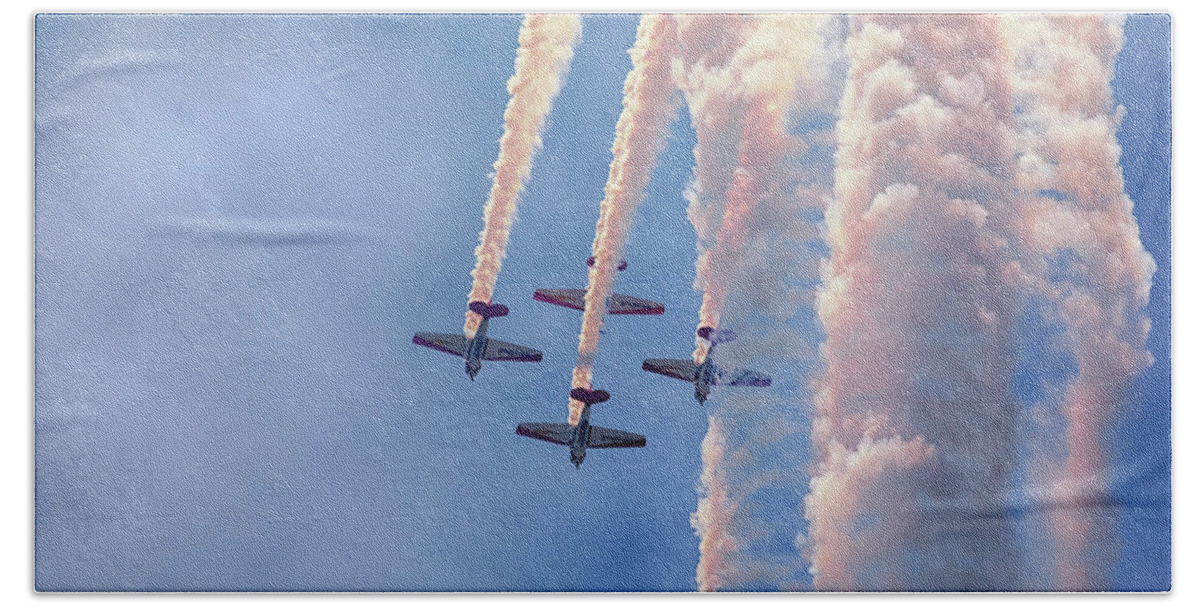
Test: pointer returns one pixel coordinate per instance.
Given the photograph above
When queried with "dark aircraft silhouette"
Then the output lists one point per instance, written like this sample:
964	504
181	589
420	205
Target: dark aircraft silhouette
481	347
708	373
582	436
618	304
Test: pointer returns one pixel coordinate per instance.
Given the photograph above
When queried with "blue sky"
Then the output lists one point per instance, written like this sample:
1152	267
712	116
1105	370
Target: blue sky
242	220
1142	84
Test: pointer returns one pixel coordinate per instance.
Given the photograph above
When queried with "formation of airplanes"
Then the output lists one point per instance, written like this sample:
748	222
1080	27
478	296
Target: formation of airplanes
583	435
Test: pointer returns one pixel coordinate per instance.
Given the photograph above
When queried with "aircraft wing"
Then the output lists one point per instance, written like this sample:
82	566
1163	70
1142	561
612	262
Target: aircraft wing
497	350
601	437
546	431
454	344
620	304
742	377
571	298
684	369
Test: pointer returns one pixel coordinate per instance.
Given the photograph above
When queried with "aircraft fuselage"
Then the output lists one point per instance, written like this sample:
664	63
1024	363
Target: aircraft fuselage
579	437
475	348
706	375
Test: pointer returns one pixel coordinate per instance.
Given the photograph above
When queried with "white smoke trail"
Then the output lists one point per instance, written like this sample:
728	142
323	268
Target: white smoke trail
769	66
640	135
707	77
754	203
709	72
715	511
1084	255
914	435
547	44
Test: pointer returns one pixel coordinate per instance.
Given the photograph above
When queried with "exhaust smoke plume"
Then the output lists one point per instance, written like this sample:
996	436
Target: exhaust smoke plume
641	132
914	437
761	179
547	44
1085	259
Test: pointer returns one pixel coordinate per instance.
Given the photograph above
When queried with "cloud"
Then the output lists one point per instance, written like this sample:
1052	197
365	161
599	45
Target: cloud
270	232
751	84
1082	255
914	406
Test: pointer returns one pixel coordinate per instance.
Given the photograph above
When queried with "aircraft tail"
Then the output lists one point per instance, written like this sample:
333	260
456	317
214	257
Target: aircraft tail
588	396
716	337
488	311
622	265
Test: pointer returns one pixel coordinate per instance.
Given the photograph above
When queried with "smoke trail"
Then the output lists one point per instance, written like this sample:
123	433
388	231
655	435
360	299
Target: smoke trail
769	65
715	511
1084	256
914	435
547	44
709	76
755	204
640	135
706	75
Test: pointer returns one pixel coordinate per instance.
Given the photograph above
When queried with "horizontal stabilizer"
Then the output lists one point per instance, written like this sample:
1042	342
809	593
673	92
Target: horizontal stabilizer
589	397
716	337
600	437
454	344
620	266
546	431
488	311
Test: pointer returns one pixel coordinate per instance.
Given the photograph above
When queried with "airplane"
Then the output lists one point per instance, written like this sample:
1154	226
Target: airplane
707	374
618	304
481	347
582	436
